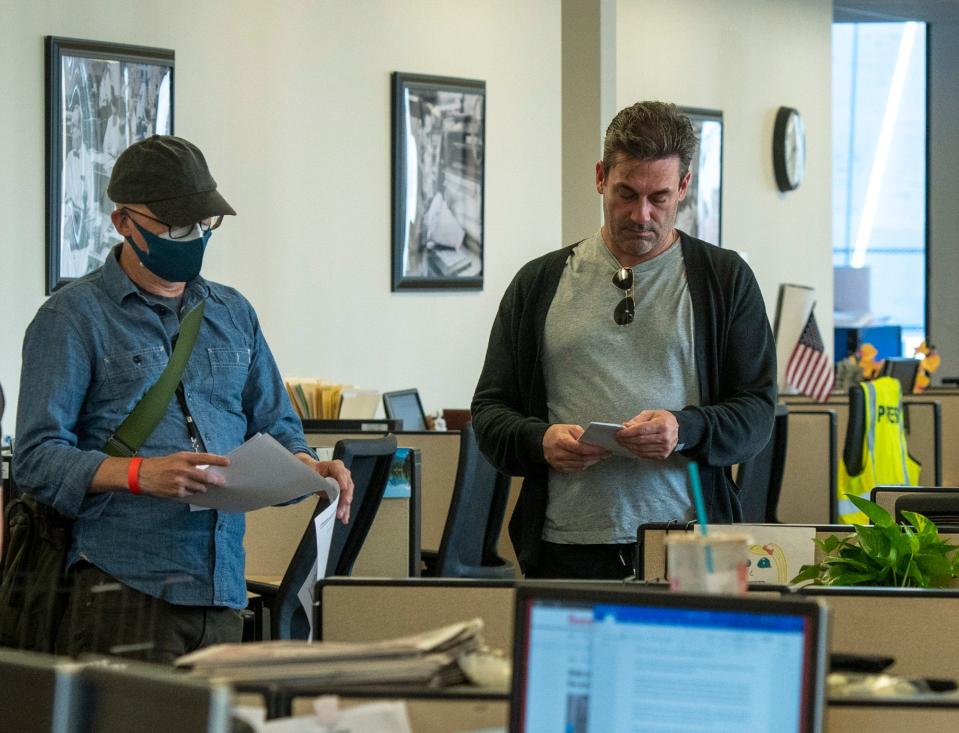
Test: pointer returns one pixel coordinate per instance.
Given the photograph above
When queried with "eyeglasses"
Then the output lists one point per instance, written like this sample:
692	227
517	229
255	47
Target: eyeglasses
182	231
626	309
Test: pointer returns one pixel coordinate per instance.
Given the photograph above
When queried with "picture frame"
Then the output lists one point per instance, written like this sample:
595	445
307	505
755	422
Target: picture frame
701	213
438	182
100	98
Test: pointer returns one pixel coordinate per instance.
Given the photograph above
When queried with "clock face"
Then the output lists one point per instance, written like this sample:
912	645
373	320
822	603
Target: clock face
789	149
795	151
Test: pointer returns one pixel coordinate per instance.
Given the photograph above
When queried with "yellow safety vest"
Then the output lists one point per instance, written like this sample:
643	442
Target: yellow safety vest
885	460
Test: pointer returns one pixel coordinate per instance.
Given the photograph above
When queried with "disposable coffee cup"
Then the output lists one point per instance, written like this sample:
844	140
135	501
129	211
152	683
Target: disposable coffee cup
690	570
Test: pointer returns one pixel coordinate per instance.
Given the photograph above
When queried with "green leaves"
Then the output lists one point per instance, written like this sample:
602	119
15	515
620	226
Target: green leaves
885	554
877	515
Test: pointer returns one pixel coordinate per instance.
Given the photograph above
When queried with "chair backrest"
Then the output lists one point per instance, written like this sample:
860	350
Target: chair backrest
760	478
896	498
39	692
939	505
405	405
468	547
369	462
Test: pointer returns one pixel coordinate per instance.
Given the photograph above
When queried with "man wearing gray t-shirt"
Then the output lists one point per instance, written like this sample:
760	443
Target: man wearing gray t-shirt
641	325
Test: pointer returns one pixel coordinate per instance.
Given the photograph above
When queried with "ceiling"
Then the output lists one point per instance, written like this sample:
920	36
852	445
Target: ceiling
931	11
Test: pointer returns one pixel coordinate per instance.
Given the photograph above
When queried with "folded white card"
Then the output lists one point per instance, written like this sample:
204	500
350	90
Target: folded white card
603	434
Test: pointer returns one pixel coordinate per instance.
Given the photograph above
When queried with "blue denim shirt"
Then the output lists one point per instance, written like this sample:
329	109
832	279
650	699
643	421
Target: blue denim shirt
91	352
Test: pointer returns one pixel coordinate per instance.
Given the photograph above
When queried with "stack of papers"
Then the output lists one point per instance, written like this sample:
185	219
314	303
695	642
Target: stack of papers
427	659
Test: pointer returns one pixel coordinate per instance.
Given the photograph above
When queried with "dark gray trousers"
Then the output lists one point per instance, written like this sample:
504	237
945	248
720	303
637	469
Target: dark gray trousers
104	616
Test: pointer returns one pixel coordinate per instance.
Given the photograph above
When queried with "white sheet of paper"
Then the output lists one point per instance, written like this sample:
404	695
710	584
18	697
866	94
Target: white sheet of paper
603	434
323	524
261	473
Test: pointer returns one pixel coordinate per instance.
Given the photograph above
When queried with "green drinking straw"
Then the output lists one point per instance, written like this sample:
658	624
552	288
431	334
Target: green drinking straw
700	510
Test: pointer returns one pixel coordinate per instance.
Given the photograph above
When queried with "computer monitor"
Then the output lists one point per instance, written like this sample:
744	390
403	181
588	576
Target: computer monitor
39	692
902	369
122	697
405	404
610	661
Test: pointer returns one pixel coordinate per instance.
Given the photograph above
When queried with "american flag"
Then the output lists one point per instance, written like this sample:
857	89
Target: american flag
809	369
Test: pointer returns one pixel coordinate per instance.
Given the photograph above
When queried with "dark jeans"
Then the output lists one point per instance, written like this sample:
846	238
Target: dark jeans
583	562
103	616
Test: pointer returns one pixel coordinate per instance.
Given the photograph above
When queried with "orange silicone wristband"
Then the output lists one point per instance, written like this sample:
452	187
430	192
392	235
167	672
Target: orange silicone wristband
133	475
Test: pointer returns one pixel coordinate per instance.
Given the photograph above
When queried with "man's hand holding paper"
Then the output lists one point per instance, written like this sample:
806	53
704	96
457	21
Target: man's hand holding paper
339	473
564	452
651	434
180	474
262	473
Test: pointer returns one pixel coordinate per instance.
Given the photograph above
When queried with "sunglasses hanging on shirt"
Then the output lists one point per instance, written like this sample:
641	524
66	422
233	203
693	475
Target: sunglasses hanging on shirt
625	310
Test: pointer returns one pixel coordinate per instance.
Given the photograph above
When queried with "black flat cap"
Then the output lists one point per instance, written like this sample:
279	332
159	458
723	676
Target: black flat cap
170	175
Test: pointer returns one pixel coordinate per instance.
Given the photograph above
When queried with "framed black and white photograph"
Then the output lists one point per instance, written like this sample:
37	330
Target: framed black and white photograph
438	166
100	98
700	213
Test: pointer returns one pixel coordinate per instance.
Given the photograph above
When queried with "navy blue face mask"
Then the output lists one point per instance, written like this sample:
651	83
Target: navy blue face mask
174	260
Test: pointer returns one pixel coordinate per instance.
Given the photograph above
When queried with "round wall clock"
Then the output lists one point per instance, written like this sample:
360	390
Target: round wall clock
789	149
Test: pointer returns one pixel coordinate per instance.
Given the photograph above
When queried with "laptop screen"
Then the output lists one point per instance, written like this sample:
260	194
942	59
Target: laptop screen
614	662
405	405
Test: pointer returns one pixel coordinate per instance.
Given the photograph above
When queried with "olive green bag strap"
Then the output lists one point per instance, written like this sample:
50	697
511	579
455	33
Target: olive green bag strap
149	411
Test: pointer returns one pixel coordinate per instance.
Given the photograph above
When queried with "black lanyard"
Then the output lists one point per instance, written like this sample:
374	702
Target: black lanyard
191	428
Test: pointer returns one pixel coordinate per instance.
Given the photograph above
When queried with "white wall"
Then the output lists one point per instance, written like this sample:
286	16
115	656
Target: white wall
589	103
748	58
290	102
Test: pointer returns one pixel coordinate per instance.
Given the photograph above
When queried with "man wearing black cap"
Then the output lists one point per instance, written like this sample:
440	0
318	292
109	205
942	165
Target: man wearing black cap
92	351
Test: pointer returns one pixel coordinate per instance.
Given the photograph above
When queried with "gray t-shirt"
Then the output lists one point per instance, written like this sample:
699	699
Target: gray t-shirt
599	371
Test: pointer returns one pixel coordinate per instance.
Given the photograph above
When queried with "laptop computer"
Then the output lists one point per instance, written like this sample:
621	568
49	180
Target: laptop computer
625	661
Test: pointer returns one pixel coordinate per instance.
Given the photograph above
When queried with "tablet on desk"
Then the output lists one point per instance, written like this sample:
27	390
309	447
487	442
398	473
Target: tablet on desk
603	434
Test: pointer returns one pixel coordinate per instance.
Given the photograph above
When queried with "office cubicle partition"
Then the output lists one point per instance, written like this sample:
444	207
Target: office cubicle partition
918	627
808	494
923	422
650	561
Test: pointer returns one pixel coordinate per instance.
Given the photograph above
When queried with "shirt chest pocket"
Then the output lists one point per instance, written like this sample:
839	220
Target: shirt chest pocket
230	368
131	373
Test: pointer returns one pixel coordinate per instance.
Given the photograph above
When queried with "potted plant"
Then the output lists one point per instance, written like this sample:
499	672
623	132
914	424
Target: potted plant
885	554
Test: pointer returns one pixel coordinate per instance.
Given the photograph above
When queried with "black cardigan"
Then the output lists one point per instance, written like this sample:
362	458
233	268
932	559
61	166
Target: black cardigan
736	364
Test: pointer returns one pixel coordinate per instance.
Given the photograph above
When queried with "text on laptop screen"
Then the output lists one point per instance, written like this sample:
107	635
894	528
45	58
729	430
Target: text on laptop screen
625	668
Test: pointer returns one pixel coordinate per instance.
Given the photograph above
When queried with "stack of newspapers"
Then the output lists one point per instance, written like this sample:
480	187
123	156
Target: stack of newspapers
427	659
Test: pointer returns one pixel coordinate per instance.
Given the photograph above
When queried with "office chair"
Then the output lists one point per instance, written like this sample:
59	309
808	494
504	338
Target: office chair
369	462
939	505
760	478
468	546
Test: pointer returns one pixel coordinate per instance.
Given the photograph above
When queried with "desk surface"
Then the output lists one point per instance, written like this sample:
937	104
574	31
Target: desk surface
266	579
279	696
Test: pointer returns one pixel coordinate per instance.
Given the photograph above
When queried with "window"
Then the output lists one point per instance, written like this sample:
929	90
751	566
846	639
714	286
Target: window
879	176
